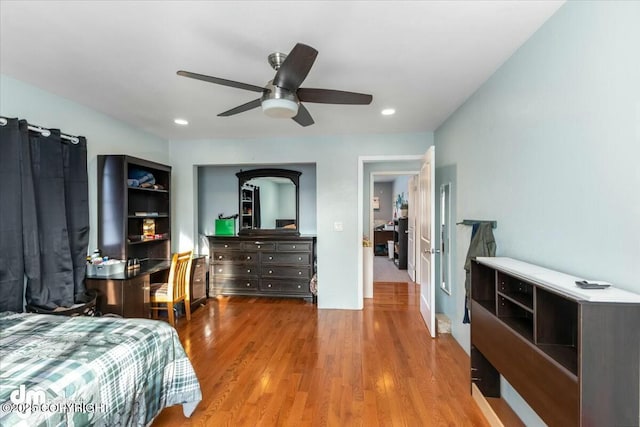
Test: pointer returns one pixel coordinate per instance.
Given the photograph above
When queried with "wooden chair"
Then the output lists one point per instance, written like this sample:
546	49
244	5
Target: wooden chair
164	296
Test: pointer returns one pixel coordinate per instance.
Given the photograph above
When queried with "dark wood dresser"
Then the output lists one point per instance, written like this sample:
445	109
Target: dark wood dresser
270	266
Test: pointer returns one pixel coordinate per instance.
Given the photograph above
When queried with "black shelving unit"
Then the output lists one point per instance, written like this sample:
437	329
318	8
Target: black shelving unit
247	212
400	241
122	209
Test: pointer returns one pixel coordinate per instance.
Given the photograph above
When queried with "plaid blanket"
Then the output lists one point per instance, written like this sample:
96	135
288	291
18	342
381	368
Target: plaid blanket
91	371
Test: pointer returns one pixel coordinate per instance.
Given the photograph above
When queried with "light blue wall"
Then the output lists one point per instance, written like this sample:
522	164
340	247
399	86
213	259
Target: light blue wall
384	192
549	147
336	160
104	134
400	186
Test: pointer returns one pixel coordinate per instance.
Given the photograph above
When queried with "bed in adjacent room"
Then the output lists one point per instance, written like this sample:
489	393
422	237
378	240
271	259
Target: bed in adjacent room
107	371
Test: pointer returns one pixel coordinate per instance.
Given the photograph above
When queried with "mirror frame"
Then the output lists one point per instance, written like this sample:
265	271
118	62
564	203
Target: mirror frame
294	176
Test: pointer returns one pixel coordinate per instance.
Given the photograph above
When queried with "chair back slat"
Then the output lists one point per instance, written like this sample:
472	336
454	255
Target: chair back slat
179	275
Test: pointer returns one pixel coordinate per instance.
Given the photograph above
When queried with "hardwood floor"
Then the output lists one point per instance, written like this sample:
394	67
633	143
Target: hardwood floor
283	362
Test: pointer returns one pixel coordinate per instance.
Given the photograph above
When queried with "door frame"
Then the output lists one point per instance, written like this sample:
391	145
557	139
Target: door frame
358	241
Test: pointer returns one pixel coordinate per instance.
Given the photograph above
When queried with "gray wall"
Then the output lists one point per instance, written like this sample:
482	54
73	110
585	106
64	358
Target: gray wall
384	191
549	147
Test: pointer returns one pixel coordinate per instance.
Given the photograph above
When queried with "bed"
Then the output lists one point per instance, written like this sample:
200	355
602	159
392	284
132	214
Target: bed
91	370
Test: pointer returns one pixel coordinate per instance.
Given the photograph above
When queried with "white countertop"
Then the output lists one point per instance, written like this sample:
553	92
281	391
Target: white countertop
561	283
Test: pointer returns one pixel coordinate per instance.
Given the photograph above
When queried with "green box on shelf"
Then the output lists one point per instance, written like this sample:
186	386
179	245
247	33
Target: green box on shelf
225	227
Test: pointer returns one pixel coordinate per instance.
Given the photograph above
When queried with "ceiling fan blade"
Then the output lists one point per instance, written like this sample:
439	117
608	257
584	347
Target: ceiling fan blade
330	96
303	118
242	108
220	81
295	67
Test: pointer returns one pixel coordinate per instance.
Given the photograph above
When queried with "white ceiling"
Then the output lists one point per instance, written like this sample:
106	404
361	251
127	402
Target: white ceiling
424	58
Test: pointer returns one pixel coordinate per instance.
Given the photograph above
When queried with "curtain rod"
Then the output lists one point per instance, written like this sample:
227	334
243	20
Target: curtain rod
44	131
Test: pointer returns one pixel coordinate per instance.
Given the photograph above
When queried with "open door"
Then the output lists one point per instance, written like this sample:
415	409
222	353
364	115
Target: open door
426	219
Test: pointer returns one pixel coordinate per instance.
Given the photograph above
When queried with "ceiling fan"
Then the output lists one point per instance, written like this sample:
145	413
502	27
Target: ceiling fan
283	96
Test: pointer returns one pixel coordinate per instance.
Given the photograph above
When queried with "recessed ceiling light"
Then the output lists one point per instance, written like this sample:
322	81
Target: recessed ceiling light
182	122
388	111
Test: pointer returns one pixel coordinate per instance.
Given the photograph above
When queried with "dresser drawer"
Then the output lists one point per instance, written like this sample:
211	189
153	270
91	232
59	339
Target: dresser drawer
234	270
234	284
286	286
258	246
286	272
286	258
294	247
228	245
234	256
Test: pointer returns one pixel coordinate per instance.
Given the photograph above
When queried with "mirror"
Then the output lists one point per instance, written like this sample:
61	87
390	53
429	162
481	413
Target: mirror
445	237
269	201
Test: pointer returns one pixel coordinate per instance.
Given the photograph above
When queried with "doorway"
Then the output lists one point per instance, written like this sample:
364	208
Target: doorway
392	226
367	165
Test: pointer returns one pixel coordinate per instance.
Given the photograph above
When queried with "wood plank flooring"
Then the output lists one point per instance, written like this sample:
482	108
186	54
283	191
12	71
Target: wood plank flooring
283	362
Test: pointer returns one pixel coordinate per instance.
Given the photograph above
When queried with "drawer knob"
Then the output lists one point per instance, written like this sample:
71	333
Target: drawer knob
219	270
270	271
259	246
220	257
299	258
270	258
294	246
248	257
248	270
226	246
248	284
299	273
299	286
269	285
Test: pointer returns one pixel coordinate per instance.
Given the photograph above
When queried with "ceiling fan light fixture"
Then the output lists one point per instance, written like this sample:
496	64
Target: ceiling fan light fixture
388	112
280	108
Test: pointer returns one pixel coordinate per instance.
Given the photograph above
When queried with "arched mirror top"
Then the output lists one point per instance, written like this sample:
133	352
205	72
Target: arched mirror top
269	201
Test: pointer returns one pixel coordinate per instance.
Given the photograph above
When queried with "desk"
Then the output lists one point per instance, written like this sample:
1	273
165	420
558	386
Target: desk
380	239
127	294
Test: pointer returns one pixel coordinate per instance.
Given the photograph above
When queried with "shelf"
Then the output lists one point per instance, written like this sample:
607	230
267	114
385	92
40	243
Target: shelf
164	239
489	305
148	216
521	325
566	356
517	299
148	190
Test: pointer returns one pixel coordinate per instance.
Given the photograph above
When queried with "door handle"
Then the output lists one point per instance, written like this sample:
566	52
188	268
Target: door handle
431	251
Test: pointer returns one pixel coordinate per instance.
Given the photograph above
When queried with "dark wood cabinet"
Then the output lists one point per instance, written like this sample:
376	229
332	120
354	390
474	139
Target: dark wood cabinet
134	221
400	240
275	266
198	290
571	353
381	239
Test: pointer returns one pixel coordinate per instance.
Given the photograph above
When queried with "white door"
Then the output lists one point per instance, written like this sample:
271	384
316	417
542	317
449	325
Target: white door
411	228
427	249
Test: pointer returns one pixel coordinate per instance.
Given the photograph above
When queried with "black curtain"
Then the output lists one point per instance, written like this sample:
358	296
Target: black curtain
256	207
46	233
